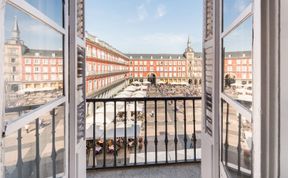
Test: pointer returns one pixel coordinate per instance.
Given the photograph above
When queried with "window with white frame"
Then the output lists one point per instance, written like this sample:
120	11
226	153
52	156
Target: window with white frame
236	94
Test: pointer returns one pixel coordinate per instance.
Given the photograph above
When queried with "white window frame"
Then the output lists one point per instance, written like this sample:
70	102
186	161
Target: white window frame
13	127
244	15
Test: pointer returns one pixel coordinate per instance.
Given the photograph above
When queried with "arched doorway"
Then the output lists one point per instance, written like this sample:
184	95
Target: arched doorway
152	78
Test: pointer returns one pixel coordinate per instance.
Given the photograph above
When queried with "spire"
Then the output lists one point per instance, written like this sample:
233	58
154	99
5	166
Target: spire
188	42
189	48
15	35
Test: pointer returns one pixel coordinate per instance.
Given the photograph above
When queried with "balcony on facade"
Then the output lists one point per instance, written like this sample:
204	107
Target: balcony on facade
106	73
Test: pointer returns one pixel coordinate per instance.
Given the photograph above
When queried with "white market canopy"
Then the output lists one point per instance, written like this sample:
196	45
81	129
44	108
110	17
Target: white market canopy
136	83
120	130
146	82
131	88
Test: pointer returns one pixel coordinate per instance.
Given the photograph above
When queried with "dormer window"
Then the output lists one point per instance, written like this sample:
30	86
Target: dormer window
36	54
53	55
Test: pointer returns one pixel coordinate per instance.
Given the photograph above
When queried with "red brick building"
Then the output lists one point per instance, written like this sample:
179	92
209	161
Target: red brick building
106	68
170	68
238	65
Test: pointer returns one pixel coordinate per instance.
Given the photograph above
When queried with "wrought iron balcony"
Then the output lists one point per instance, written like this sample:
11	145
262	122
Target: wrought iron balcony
127	132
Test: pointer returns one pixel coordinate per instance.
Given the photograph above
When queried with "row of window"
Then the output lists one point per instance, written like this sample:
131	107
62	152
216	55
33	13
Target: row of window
96	84
183	74
239	68
100	54
183	68
44	61
240	61
93	67
44	69
183	62
37	77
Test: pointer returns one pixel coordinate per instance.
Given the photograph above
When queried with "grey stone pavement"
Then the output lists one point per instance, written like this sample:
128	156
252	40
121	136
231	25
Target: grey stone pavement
188	170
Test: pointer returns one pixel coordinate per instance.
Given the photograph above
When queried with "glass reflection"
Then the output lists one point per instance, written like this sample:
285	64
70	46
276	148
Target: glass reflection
237	64
232	9
51	127
33	69
51	8
19	152
236	141
37	144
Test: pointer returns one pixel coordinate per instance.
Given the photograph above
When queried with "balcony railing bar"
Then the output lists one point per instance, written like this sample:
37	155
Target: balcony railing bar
155	139
166	132
135	133
53	154
175	127
38	158
115	153
239	143
19	159
145	134
226	135
185	131
125	134
94	141
104	146
194	130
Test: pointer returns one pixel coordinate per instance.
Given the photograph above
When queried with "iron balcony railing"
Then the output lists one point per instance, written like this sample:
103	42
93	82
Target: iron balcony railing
37	148
124	132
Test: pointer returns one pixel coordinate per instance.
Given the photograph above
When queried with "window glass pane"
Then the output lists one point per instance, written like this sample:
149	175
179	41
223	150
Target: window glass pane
51	127
232	9
236	142
22	150
237	64
19	152
51	8
33	77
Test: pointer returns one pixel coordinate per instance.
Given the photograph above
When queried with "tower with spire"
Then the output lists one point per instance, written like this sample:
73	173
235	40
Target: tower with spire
189	53
14	48
15	33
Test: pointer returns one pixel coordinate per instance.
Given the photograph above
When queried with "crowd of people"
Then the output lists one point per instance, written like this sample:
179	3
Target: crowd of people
169	90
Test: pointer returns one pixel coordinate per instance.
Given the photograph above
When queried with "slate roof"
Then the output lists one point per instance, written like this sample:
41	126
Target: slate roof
158	56
238	54
43	53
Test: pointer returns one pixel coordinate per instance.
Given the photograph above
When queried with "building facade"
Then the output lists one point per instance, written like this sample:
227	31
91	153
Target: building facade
238	66
30	70
106	68
168	68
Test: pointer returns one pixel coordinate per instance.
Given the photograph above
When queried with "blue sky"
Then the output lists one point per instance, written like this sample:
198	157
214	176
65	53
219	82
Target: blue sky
34	33
134	26
146	26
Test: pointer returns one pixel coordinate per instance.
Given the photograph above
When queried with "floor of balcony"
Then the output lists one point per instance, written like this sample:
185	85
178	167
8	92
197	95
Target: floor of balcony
187	170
